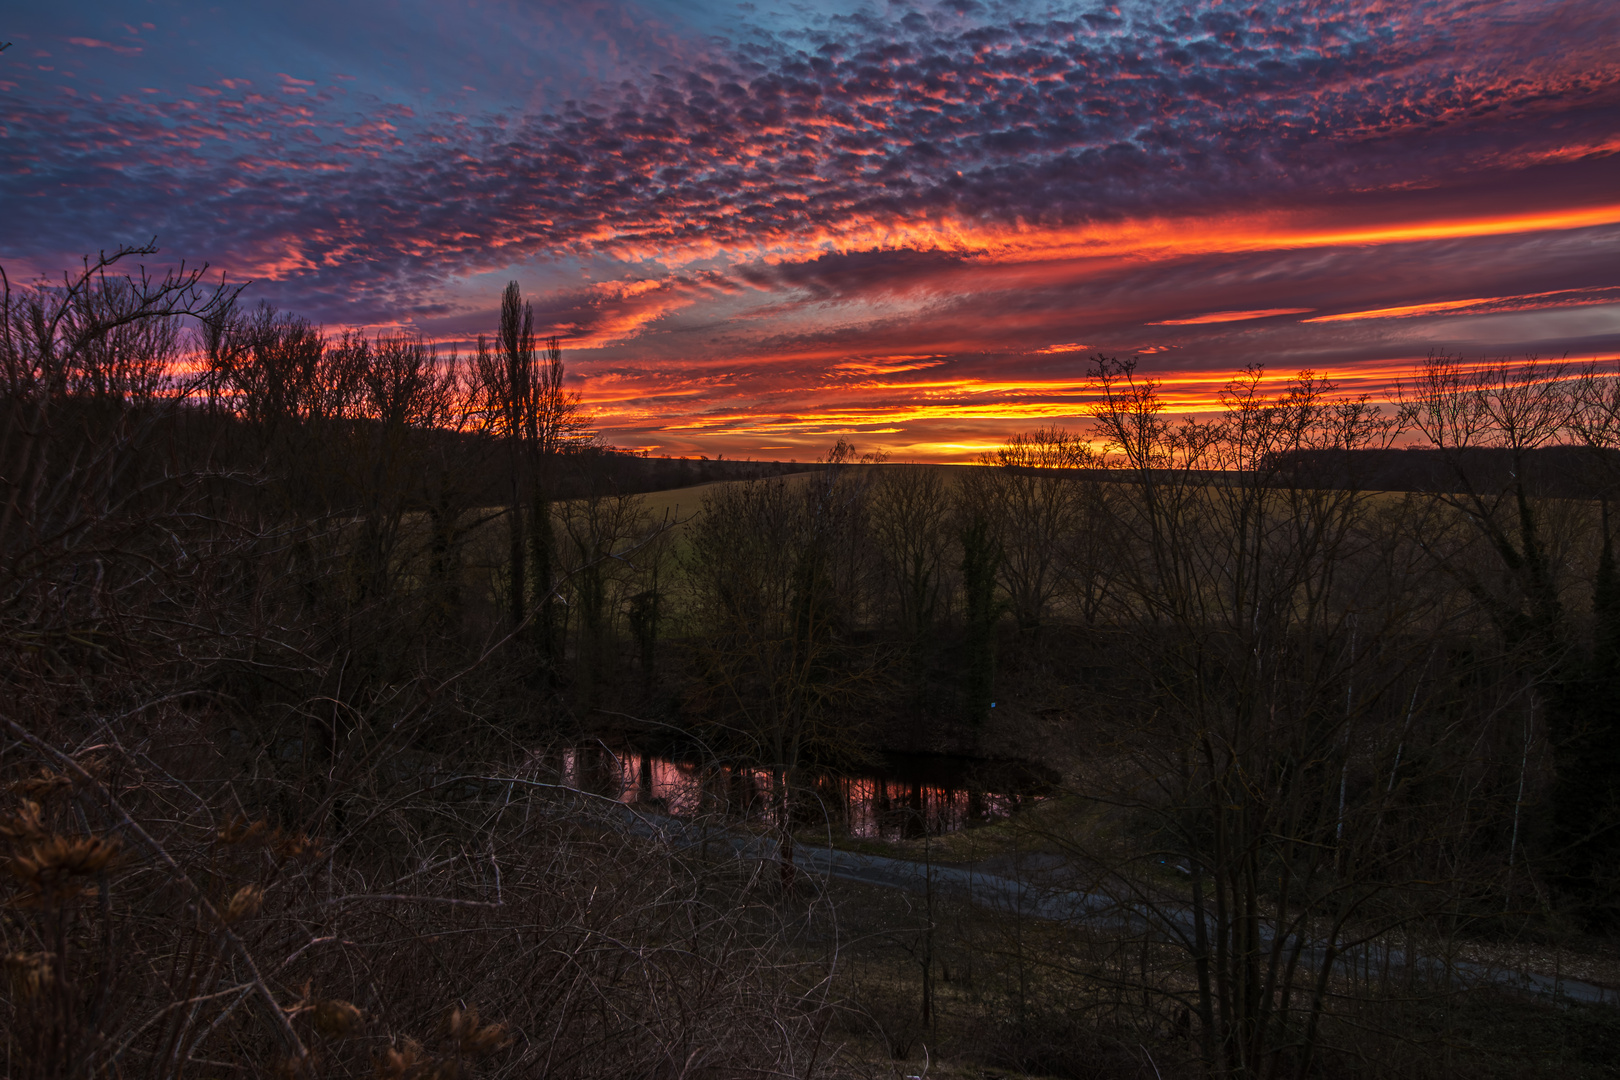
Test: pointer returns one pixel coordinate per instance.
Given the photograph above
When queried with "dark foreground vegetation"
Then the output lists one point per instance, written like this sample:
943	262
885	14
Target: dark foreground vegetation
295	629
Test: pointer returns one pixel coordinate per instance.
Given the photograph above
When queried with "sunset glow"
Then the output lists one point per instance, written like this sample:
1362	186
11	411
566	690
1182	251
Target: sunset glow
759	228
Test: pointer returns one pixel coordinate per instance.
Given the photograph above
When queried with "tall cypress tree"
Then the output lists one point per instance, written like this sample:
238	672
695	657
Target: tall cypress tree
514	343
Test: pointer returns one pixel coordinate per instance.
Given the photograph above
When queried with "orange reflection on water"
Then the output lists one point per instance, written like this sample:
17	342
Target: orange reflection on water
885	809
876	808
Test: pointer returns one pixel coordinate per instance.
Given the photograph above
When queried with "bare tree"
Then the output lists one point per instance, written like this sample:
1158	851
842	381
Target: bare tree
607	544
1525	528
774	568
1029	494
96	337
911	508
1517	409
1278	632
539	419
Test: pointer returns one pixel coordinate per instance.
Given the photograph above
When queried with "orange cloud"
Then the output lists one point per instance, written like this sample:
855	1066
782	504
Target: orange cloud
1484	305
1232	316
889	365
1148	238
1193	236
612	312
900	416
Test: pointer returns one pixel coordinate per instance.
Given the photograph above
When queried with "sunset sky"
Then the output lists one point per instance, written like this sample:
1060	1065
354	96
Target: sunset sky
759	226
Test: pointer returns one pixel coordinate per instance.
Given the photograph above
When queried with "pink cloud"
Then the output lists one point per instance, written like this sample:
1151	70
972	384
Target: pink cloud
94	43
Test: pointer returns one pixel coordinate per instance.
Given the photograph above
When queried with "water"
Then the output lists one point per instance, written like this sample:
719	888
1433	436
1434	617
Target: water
911	796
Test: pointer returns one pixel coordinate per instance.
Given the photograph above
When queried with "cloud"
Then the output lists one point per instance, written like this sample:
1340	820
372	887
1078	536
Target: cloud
883	207
614	312
887	365
1483	305
1232	316
950	135
93	43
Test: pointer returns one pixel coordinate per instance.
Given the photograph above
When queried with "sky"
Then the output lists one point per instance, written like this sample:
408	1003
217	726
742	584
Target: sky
757	227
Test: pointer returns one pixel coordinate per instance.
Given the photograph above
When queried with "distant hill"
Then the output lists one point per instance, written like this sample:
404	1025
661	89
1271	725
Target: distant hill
598	469
195	436
1573	472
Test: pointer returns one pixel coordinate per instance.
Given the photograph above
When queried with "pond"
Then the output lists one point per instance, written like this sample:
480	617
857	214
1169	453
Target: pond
907	796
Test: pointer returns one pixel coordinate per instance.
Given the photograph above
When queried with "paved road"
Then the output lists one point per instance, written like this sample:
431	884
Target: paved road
1012	895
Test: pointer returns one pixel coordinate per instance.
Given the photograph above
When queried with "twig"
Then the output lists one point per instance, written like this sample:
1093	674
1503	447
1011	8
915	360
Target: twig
408	897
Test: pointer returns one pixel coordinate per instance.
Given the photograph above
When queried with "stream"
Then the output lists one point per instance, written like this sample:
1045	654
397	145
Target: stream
907	796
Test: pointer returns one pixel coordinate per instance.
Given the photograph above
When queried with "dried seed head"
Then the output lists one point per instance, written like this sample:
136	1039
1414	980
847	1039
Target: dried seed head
52	870
469	1036
295	846
42	786
238	830
402	1062
26	824
336	1018
28	973
296	1068
244	905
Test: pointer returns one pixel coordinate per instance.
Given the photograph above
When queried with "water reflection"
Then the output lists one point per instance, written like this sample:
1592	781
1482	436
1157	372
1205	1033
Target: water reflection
912	798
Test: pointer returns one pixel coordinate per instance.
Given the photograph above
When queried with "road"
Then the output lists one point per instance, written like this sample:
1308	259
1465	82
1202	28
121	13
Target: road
1013	896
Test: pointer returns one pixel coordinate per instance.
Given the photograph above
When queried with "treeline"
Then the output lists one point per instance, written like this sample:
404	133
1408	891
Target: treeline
288	619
